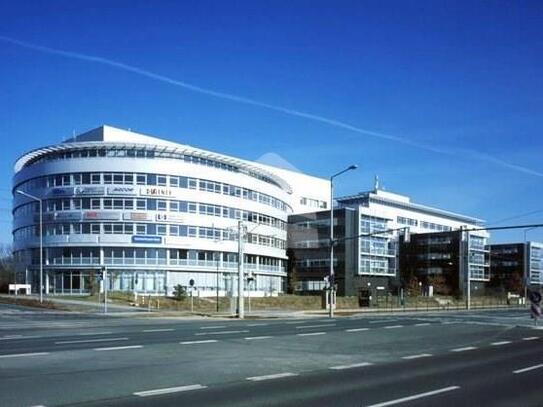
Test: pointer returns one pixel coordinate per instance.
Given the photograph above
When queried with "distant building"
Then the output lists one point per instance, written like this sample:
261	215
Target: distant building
514	264
381	218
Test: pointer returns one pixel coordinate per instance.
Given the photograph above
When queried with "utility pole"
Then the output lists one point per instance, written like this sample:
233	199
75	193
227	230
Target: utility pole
104	271
241	311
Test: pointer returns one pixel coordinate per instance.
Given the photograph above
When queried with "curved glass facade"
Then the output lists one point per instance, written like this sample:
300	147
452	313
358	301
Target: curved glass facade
154	216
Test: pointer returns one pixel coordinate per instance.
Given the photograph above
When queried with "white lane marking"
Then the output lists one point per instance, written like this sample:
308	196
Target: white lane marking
314	326
169	390
222	332
312	334
420	355
297	322
380	321
416	396
195	342
393	326
500	343
213	327
252	338
94	333
463	349
352	366
527	369
257	324
530	338
159	330
91	340
7	338
271	376
423	324
21	355
356	329
119	347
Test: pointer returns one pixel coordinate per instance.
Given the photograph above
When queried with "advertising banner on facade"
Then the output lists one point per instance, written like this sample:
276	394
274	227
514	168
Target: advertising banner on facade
89	190
169	217
136	216
146	239
68	215
156	191
122	190
61	191
101	215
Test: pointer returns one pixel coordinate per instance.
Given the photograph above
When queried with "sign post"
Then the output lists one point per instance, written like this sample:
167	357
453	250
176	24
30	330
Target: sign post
191	283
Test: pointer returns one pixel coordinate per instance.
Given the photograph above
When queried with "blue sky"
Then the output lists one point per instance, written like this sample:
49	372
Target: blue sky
462	78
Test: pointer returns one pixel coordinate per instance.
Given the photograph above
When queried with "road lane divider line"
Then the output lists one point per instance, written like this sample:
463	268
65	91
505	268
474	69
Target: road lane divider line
297	322
527	369
500	343
254	338
168	390
312	334
356	329
381	321
213	327
351	366
314	326
271	376
393	326
94	333
22	355
241	331
91	341
463	349
10	338
420	355
119	348
197	342
530	338
159	330
423	324
257	324
415	396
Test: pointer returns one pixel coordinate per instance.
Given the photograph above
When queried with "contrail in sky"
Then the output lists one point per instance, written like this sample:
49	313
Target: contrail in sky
292	112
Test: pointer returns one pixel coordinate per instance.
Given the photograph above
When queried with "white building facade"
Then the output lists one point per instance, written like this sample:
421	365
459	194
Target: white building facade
154	213
385	216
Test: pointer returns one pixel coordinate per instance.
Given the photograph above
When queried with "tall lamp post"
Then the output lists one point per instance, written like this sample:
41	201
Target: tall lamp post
332	241
526	263
35	198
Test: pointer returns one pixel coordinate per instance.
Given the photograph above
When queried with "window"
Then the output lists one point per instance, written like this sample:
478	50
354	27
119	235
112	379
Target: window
95	203
162	180
162	205
141	204
108	203
141	179
95	179
95	228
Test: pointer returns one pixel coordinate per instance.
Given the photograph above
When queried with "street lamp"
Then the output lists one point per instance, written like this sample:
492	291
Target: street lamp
331	276
526	263
35	198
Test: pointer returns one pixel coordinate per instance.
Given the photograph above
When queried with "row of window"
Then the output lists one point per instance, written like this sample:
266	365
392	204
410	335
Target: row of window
135	152
149	204
151	229
313	203
122	178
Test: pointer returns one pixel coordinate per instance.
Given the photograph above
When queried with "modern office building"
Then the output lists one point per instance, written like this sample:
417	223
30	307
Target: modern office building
442	261
379	218
155	213
512	265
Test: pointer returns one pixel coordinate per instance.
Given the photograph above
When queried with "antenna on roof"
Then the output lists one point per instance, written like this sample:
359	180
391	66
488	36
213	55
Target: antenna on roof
376	185
74	136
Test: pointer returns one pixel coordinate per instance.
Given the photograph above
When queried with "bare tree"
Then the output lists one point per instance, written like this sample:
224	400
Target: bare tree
7	267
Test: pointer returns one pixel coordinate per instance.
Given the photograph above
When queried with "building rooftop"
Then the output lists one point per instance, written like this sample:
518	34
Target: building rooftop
403	202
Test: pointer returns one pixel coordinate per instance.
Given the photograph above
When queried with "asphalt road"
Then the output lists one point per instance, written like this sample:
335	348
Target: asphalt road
472	359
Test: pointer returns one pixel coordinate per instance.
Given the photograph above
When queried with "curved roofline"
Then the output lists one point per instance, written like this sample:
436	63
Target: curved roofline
22	161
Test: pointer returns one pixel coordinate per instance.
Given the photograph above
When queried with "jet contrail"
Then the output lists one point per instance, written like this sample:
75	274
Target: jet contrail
292	112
